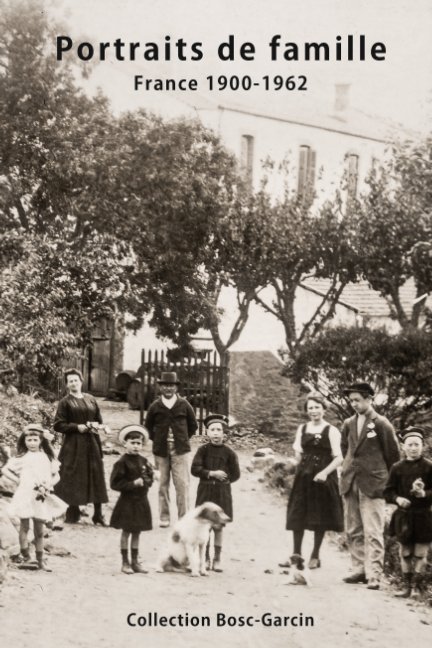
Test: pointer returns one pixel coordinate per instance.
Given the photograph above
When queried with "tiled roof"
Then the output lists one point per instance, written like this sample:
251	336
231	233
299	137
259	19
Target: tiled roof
360	297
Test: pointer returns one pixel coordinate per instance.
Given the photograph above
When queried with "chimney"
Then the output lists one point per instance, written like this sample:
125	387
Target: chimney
341	103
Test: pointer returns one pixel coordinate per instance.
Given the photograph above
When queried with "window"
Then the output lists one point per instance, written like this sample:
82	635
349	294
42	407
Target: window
352	175
306	172
246	158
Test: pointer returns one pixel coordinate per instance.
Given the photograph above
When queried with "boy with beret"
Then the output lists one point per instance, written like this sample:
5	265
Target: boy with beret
409	486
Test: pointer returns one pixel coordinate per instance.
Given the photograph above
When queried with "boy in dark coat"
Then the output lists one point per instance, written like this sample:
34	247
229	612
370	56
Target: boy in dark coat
132	475
217	467
409	486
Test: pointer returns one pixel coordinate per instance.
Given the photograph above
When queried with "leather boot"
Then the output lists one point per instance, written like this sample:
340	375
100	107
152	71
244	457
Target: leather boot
417	586
126	567
405	590
136	565
217	559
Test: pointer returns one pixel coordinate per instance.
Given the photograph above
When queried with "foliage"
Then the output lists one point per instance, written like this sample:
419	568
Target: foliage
394	226
398	366
17	411
298	241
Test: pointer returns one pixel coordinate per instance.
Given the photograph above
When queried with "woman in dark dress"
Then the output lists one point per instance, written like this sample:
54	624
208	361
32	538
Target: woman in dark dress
217	467
314	503
82	479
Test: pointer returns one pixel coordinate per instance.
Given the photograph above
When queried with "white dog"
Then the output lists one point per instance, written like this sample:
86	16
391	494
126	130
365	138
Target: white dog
189	538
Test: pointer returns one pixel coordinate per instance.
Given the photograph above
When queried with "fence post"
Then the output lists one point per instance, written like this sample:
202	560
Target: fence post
142	387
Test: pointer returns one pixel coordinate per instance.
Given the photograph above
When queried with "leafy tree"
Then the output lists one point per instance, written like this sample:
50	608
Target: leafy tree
394	227
398	366
297	242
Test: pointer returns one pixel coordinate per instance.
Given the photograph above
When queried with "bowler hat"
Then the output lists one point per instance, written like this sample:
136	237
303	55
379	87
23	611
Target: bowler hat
213	418
411	431
127	429
360	388
168	378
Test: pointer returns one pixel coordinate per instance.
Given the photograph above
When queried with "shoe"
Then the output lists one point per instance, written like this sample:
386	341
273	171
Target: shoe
72	515
99	519
417	586
314	563
352	579
41	562
164	524
217	565
405	590
287	563
373	584
137	568
126	568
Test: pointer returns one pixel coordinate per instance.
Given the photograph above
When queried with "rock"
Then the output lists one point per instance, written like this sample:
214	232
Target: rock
263	452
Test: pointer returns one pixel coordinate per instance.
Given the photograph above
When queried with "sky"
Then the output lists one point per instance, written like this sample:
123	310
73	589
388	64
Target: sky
399	88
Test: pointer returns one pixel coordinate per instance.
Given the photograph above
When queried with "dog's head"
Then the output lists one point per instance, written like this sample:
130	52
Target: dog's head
297	561
213	514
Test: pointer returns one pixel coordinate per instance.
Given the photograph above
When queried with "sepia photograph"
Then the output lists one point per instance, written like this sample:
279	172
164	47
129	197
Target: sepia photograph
215	323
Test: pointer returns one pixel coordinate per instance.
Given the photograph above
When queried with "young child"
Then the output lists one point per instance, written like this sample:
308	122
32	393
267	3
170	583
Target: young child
132	475
217	467
410	487
36	470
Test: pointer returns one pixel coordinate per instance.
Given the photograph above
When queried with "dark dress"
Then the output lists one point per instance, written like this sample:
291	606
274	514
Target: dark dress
82	479
132	511
312	505
415	523
213	457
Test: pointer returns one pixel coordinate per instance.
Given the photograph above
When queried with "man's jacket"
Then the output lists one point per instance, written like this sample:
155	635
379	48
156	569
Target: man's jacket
180	418
369	456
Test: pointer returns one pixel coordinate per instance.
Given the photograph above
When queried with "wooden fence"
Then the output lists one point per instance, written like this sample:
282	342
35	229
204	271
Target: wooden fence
204	381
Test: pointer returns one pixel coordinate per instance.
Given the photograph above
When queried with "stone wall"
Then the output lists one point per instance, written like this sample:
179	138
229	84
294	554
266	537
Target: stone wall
260	396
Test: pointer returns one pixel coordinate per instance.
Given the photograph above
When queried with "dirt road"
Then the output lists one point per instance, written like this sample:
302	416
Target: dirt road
86	601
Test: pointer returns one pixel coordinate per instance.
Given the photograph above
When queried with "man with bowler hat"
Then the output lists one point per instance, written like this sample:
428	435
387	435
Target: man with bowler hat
370	448
171	422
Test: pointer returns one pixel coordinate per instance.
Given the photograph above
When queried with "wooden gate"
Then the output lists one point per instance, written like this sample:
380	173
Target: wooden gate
204	381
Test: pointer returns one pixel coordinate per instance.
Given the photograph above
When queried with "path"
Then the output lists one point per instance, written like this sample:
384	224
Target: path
85	602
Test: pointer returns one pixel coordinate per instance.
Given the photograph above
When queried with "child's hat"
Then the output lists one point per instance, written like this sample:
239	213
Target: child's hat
127	429
39	429
213	418
412	430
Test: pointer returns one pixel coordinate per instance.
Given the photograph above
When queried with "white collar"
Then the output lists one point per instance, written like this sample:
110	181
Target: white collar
169	402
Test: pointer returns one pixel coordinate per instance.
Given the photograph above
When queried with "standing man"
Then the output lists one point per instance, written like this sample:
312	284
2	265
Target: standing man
370	448
171	422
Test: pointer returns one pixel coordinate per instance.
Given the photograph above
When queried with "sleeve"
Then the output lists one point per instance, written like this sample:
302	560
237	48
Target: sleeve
61	422
55	472
98	415
335	441
148	473
391	488
192	423
344	437
149	421
119	480
297	447
428	485
233	467
198	468
390	446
